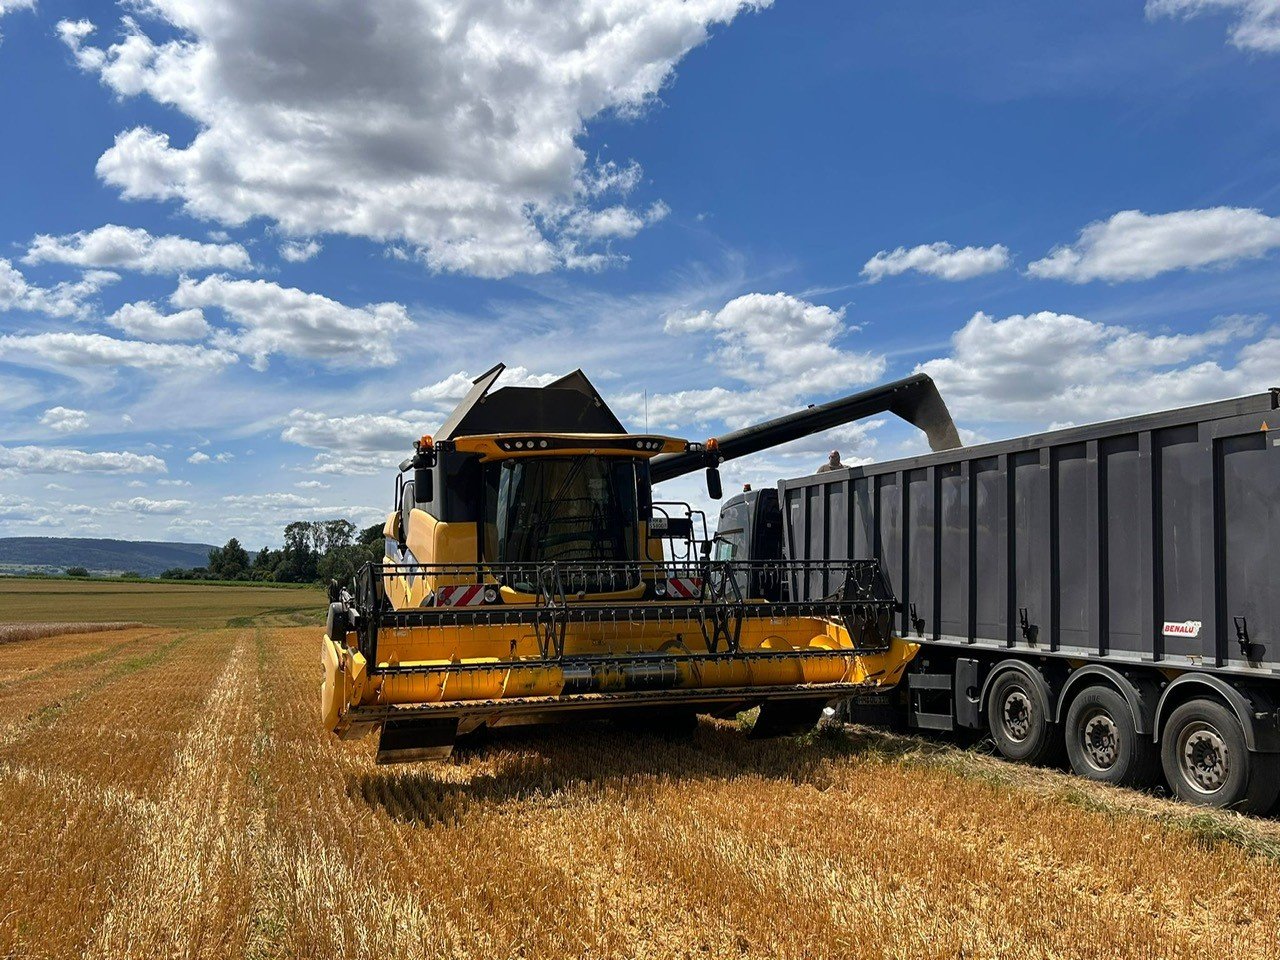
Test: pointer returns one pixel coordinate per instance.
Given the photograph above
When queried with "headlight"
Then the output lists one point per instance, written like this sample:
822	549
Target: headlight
490	595
660	588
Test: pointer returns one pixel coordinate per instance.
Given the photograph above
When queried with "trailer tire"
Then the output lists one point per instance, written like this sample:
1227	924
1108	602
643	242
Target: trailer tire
1207	761
1018	719
1103	744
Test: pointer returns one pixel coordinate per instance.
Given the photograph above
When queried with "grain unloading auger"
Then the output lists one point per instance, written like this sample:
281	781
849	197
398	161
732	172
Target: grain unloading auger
530	576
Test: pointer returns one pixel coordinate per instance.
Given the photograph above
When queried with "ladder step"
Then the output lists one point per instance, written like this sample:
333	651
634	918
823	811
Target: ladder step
932	721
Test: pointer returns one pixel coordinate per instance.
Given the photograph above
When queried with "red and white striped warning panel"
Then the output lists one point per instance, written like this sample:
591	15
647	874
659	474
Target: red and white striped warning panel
687	587
469	595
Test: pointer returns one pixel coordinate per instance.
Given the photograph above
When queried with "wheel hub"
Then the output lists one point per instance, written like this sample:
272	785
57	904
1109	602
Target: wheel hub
1101	741
1017	715
1205	759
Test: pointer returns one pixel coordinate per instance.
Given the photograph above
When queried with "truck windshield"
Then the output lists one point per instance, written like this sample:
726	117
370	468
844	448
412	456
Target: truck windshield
565	508
731	533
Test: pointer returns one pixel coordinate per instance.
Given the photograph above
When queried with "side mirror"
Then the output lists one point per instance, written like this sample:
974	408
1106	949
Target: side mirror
423	484
714	490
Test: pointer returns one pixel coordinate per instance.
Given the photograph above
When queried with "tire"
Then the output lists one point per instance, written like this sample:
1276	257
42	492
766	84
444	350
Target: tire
1019	720
1104	745
1207	762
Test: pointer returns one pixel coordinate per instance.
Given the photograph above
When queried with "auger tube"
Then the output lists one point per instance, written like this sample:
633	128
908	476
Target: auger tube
914	399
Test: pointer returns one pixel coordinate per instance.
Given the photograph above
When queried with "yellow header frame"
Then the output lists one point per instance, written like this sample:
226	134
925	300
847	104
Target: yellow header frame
501	446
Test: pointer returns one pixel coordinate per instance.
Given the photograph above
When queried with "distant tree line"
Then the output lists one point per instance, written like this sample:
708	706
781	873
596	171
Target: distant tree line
313	551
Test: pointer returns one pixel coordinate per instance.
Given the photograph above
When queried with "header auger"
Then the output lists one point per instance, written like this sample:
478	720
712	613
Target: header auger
530	576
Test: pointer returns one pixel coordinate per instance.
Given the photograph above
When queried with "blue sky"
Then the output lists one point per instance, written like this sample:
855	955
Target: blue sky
248	251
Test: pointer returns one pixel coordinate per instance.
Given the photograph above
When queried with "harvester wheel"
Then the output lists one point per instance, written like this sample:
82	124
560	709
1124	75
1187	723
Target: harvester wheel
1103	743
1206	760
1019	721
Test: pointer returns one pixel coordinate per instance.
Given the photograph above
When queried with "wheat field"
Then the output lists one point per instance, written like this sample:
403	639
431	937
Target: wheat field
166	793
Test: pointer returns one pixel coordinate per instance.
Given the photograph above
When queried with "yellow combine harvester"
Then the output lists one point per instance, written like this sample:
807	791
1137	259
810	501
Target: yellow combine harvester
530	576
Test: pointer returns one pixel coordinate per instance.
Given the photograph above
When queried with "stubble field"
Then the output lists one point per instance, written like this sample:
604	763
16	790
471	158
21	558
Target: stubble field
165	792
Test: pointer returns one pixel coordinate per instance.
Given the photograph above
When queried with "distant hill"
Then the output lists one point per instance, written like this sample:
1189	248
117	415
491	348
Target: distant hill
55	554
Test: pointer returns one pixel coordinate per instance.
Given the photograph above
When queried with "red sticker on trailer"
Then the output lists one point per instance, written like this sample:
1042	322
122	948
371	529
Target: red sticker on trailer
1187	628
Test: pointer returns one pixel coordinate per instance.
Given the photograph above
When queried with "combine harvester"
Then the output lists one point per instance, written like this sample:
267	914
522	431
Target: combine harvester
531	577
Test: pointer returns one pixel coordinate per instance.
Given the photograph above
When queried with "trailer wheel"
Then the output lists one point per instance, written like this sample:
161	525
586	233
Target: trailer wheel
1206	760
1019	721
1104	745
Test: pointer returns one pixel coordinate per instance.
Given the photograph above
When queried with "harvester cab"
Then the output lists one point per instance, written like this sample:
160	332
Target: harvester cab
530	576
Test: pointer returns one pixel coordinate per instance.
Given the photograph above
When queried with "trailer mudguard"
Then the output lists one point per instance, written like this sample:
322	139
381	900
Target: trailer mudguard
1141	696
1038	683
1256	711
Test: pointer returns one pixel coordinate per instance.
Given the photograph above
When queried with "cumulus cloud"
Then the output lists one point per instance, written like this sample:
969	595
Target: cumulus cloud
148	506
64	419
358	434
144	319
270	500
299	251
782	348
96	350
450	391
35	459
616	222
127	248
1050	367
940	260
448	125
1133	245
772	339
1255	23
68	299
199	456
285	320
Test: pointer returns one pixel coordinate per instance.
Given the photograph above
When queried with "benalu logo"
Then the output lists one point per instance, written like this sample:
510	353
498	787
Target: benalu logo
1187	628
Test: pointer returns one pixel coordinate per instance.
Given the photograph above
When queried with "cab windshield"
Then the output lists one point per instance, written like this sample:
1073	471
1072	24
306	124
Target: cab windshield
564	508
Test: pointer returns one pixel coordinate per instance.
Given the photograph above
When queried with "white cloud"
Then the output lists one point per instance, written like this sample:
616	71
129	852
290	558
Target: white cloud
775	340
285	320
66	299
299	251
173	483
781	347
453	388
1055	367
64	419
130	248
451	126
311	485
1256	24
143	319
34	459
199	457
96	350
146	505
1133	245
616	222
357	435
270	500
940	260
